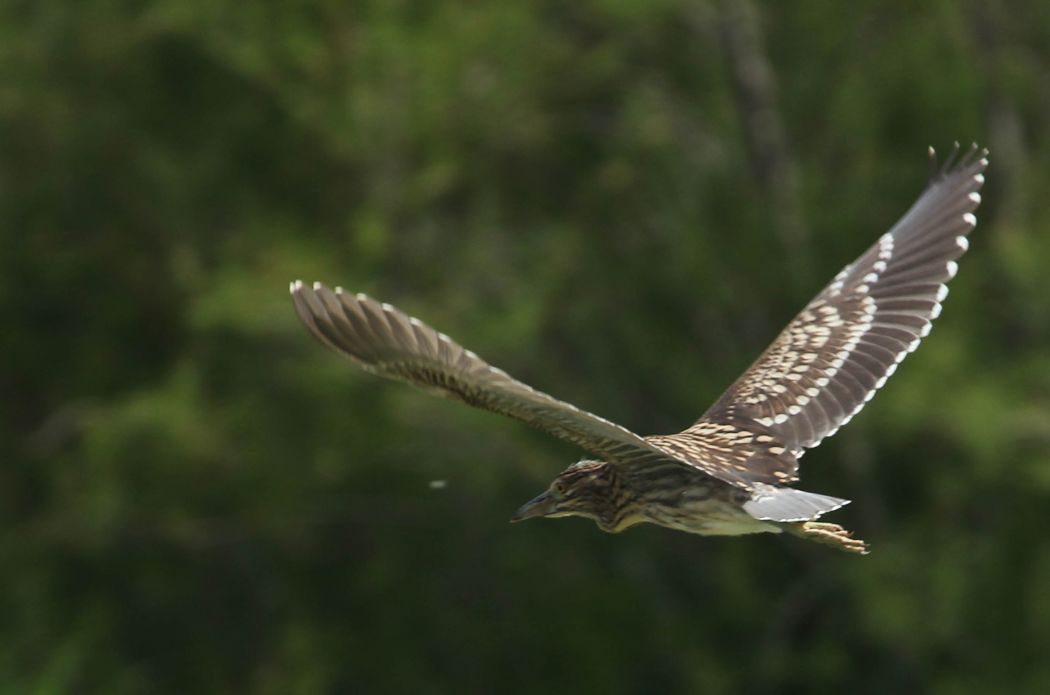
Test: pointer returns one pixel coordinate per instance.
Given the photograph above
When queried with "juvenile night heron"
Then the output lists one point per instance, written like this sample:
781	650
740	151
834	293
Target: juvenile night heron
729	473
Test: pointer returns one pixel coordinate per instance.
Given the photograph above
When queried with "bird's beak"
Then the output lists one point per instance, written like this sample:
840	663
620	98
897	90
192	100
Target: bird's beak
541	505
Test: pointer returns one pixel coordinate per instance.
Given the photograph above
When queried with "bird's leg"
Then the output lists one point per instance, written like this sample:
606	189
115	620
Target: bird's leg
829	534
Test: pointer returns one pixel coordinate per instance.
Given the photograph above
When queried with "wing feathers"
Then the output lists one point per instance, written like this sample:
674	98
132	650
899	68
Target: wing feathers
813	379
385	341
851	337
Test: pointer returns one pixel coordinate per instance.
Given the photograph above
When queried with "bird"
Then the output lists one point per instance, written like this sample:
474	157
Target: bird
731	472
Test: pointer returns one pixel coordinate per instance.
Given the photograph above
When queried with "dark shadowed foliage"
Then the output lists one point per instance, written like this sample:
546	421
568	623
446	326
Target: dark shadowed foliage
618	202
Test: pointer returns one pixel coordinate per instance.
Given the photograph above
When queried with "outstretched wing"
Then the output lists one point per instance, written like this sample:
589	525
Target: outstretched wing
385	341
830	360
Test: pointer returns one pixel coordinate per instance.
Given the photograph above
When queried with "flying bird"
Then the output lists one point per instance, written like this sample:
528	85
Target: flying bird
729	473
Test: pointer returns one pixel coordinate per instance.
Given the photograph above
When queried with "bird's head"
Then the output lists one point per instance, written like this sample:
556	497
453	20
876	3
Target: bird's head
590	489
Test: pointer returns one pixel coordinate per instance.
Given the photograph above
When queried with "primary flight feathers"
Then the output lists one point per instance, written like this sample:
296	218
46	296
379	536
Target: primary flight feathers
817	374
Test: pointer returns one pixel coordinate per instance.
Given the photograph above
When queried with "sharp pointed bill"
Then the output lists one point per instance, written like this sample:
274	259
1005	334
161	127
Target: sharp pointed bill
540	505
728	472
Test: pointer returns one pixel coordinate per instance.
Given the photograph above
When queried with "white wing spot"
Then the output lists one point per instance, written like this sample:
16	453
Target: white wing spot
975	197
962	242
942	293
885	246
970	219
953	268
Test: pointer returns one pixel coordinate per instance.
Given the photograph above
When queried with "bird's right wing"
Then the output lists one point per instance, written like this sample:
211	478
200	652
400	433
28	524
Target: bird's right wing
385	341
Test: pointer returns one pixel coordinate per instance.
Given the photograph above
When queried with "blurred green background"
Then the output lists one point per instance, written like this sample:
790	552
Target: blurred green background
620	202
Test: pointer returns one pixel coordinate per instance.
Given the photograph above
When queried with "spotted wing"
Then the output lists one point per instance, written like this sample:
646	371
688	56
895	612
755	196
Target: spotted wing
739	454
385	341
830	360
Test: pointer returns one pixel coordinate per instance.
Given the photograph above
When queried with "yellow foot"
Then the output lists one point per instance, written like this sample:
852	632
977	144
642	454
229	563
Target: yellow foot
830	534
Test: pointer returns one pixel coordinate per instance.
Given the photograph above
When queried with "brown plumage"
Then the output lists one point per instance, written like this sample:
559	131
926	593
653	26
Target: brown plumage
729	472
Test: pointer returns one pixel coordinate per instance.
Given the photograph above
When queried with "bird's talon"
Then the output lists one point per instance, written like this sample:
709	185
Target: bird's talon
830	534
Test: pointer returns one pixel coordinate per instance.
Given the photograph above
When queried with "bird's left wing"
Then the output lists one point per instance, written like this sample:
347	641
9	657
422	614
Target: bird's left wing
830	360
383	340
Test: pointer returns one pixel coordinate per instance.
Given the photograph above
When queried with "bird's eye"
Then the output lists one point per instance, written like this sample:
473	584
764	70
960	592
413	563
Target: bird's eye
558	487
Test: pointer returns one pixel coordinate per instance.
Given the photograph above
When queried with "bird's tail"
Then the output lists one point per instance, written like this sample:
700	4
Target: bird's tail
787	504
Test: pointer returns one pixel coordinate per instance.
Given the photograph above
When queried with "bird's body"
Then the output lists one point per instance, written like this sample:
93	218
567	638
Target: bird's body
678	497
667	494
686	500
729	473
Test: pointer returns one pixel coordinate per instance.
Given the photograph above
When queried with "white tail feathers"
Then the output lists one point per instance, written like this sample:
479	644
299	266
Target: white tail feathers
787	504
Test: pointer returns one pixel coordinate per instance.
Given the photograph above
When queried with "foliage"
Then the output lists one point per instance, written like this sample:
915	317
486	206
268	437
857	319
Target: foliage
198	498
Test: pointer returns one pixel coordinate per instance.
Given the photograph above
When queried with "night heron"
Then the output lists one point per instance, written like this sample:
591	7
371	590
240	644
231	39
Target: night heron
729	473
